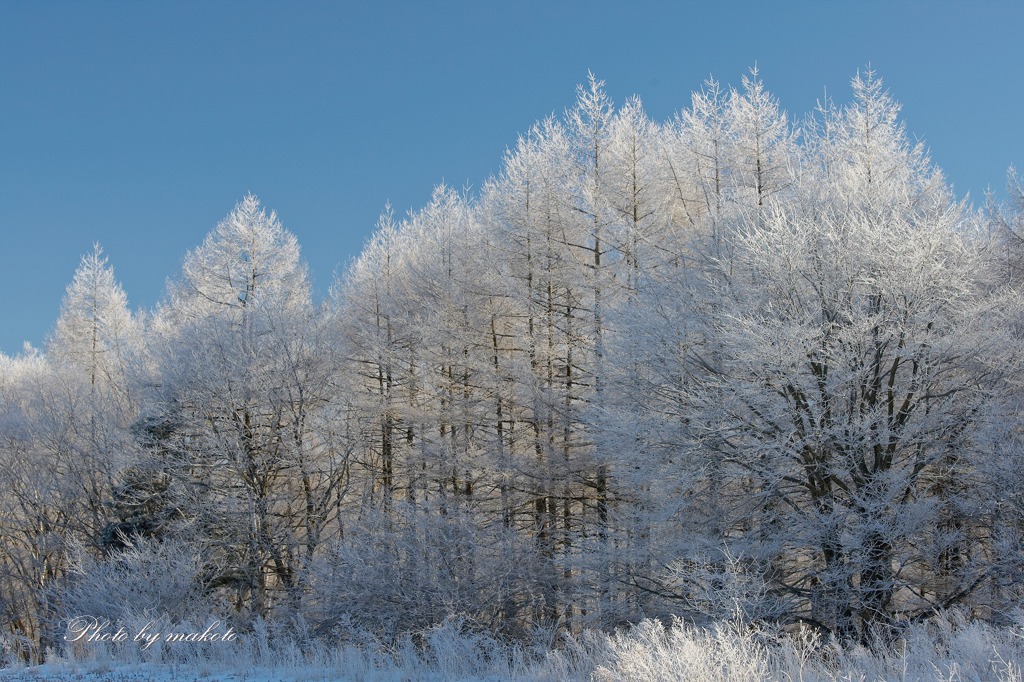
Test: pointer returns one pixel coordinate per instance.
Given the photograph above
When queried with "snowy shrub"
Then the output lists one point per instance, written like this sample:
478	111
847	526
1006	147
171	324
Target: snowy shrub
148	577
389	577
150	586
948	647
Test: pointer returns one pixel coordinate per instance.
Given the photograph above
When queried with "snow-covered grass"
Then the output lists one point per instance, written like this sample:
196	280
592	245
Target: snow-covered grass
948	648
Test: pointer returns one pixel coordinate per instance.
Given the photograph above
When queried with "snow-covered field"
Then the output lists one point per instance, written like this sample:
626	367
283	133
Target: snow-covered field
946	649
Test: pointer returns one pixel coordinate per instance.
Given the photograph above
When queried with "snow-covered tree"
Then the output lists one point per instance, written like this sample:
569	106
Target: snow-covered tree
1008	223
64	436
241	371
761	143
864	365
95	334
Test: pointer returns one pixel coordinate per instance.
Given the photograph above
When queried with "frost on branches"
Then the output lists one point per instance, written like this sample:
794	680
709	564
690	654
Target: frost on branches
721	367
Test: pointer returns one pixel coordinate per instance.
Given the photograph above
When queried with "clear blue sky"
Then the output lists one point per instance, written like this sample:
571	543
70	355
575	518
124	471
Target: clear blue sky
140	124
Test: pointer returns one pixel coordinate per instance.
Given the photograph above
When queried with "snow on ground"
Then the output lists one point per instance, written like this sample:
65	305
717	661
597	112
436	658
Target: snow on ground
949	648
146	673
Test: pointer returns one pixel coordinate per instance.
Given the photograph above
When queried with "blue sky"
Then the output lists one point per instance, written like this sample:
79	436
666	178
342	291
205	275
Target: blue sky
140	124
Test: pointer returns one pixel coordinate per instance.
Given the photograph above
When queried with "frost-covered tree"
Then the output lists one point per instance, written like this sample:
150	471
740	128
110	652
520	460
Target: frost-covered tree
638	191
92	351
95	333
761	142
1008	223
541	348
864	365
65	435
38	502
373	326
697	160
241	371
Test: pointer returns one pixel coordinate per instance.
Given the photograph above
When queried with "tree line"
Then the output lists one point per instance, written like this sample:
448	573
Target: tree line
728	365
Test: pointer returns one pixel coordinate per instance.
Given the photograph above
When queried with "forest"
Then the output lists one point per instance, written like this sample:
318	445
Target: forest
733	366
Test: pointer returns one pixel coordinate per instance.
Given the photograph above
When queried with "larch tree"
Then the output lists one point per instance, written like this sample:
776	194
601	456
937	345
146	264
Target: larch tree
92	351
530	207
95	333
1008	224
762	145
65	437
372	323
240	374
